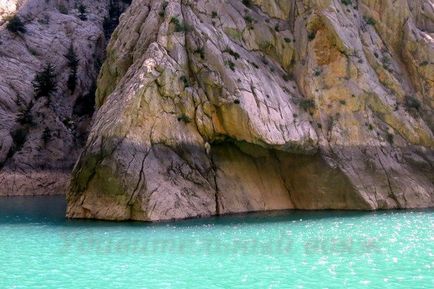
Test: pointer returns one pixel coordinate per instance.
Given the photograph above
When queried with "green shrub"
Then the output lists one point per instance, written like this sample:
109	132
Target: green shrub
179	26
231	52
247	3
201	52
63	9
185	81
369	20
184	118
82	12
307	104
390	138
385	60
248	19
162	13
68	123
288	77
412	103
311	36
19	136
231	65
15	25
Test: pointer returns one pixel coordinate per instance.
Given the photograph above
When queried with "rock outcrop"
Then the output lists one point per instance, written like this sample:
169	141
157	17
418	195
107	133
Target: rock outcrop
215	107
42	137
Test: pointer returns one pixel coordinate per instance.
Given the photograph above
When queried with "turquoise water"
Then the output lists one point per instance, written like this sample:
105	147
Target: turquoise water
39	249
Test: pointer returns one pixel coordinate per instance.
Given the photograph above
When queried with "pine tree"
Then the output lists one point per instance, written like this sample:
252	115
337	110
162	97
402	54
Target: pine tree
114	11
46	135
72	82
112	19
24	116
44	83
73	60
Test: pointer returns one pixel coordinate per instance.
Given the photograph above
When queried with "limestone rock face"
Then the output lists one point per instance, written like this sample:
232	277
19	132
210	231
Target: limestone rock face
41	138
215	107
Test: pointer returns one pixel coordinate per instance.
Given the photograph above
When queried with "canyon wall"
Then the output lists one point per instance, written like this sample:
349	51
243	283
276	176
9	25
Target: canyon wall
215	107
41	136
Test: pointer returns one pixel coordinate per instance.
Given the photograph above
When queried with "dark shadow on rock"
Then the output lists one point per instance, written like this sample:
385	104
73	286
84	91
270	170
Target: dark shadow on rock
50	211
243	177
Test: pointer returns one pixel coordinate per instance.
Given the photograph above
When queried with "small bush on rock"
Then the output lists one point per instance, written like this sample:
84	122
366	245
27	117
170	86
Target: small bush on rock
46	135
63	9
19	137
179	26
370	21
82	12
232	53
184	118
163	9
307	104
15	25
247	3
412	103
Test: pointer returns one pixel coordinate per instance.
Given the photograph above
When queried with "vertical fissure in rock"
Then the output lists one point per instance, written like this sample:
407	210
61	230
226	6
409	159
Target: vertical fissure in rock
389	184
141	175
282	177
216	185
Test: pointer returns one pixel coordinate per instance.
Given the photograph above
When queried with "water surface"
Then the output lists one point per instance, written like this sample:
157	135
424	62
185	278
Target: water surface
40	249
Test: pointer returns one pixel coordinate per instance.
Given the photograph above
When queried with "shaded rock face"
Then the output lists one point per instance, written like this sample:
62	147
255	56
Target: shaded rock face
41	138
216	107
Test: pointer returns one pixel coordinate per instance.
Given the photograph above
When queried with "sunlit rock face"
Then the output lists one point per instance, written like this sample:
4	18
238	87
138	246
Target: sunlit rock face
41	138
216	107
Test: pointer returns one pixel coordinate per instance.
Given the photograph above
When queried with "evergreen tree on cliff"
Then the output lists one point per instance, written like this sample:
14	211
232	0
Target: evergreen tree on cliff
44	83
73	60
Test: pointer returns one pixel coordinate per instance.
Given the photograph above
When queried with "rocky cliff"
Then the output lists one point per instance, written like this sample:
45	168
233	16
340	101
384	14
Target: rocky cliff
41	136
215	107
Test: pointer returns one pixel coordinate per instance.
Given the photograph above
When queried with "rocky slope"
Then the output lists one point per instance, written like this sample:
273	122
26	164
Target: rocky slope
41	137
215	107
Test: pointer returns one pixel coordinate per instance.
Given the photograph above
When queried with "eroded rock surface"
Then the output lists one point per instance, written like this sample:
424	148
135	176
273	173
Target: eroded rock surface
41	138
214	107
